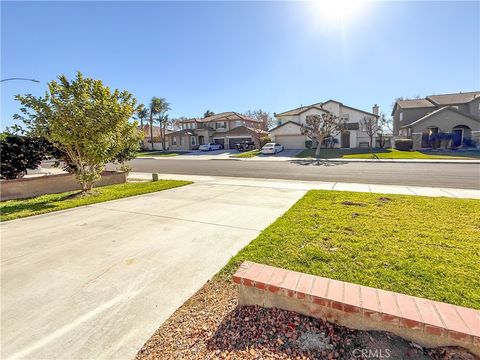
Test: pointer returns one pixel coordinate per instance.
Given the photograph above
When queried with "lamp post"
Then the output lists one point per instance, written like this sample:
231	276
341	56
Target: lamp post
10	79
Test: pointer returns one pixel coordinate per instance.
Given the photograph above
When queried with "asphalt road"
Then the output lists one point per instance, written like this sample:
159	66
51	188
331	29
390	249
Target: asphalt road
464	176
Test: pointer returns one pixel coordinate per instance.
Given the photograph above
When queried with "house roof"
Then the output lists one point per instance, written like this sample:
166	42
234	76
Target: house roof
301	109
240	130
183	132
285	123
432	101
454	99
224	116
319	106
429	115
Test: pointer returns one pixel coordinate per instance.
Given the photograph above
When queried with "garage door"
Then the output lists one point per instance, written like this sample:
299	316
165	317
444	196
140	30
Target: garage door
291	141
233	141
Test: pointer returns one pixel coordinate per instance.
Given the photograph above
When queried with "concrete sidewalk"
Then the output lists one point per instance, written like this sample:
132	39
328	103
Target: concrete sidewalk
318	185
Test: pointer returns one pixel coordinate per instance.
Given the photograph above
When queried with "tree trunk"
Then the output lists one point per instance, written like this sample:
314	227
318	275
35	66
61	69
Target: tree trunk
151	130
317	150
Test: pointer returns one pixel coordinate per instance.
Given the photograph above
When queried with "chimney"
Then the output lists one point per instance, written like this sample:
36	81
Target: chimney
375	109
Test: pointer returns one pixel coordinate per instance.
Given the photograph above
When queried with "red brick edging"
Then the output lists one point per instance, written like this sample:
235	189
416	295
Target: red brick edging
425	321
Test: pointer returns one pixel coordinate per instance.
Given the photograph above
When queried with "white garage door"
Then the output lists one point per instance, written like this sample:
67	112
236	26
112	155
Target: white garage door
291	141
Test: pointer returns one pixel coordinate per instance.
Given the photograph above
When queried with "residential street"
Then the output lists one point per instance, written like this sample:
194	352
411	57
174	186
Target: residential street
97	281
463	176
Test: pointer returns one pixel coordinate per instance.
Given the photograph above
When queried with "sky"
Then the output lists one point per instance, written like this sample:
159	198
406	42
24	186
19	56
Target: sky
237	56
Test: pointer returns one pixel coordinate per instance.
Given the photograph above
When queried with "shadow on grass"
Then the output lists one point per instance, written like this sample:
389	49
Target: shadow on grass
35	205
317	162
454	153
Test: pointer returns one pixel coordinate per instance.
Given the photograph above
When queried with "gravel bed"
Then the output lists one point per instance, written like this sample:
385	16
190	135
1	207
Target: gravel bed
210	325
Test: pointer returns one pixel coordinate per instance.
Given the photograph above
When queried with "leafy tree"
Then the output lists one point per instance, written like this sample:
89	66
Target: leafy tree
208	113
86	121
158	110
320	127
369	125
19	153
267	120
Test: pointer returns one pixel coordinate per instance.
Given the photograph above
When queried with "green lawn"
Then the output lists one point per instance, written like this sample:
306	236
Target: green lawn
390	154
14	209
247	154
160	153
421	246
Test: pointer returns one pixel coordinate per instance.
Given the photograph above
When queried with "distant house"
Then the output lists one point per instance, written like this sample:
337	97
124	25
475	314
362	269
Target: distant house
290	122
227	129
147	142
422	120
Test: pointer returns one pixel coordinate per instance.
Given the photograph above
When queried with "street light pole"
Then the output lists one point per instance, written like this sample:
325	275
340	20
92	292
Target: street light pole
9	79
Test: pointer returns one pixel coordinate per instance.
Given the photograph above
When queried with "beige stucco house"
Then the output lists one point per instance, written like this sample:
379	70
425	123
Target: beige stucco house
422	120
227	129
290	122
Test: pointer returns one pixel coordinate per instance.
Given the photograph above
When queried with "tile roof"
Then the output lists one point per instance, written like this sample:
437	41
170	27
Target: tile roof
439	111
319	106
453	99
224	116
414	103
239	130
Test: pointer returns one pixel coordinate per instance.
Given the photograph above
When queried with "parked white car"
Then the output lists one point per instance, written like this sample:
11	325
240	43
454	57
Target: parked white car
210	146
272	148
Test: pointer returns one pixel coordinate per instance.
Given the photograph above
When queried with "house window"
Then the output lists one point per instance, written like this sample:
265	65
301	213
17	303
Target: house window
345	117
194	125
192	140
455	107
401	116
174	140
239	123
221	125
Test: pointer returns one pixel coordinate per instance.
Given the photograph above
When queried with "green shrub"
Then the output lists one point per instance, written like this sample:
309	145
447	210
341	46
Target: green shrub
264	140
308	144
404	144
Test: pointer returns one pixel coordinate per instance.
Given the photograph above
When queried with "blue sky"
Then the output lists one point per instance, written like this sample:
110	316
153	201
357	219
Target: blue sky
235	56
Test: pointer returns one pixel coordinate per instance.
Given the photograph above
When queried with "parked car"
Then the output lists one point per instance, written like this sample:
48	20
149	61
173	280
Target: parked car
210	146
245	146
272	148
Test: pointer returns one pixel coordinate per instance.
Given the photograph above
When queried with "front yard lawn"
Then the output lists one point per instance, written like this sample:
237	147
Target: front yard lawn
390	154
247	154
421	246
14	209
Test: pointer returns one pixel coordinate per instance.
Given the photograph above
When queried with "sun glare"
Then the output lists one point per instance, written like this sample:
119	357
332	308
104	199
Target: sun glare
339	13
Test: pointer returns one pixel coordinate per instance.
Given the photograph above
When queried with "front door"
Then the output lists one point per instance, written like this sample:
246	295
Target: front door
457	135
345	139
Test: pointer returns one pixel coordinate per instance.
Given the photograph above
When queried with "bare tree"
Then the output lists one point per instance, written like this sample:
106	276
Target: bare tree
267	120
369	125
384	126
319	127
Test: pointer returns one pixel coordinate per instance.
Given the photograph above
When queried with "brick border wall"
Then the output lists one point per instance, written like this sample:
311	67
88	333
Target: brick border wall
51	184
426	322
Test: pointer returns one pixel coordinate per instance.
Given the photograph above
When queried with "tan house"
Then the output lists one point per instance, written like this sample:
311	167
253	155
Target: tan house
288	132
424	120
147	141
226	129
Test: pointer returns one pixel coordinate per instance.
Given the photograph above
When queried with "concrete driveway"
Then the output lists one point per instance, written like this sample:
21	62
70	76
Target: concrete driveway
97	281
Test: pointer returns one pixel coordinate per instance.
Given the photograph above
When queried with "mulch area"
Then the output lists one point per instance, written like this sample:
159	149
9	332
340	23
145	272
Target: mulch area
210	325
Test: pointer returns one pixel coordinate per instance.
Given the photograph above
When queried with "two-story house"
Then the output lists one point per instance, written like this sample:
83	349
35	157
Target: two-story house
290	122
227	129
422	120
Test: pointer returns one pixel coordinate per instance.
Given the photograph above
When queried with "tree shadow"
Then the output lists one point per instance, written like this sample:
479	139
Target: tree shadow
317	162
44	204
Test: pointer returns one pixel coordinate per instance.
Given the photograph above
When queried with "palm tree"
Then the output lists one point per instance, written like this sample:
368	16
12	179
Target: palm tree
208	113
158	106
142	114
